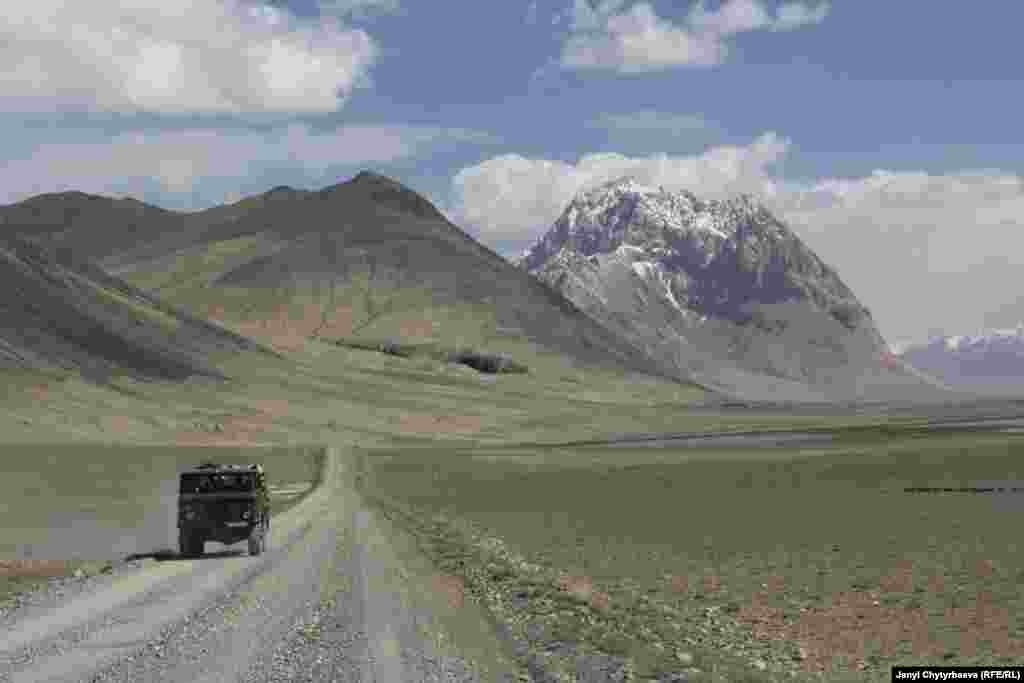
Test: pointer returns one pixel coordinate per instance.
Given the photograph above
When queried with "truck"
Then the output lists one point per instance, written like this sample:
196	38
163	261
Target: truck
223	503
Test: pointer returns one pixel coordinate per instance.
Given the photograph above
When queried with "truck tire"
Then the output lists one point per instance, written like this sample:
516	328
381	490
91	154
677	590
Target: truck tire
191	545
256	543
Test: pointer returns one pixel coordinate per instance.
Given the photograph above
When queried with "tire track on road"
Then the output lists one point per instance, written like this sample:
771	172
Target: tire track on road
87	634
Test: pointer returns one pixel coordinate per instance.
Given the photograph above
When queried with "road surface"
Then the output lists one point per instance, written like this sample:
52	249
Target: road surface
230	617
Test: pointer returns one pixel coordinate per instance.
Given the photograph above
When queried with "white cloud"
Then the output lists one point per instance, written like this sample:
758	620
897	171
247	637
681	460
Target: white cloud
514	199
741	16
176	56
735	16
924	252
358	9
511	197
182	161
638	40
794	15
583	17
651	120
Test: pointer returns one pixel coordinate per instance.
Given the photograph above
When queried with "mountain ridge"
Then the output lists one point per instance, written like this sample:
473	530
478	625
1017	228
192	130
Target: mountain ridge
311	242
988	361
63	312
720	280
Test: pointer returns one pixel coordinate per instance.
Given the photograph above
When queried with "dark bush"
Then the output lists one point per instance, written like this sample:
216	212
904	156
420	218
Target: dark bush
490	363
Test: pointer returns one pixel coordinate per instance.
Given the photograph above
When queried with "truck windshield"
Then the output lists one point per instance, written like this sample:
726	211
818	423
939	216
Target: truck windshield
213	483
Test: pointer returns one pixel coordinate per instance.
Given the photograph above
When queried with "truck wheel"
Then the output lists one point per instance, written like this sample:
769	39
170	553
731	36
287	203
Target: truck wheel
190	545
256	543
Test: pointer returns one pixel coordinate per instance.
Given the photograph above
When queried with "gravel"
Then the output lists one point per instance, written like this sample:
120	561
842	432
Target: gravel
275	620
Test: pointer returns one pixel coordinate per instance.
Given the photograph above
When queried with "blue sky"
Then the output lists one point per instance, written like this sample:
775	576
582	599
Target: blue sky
887	134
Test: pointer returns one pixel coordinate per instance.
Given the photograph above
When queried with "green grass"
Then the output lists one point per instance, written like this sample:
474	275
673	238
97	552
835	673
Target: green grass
813	527
169	323
191	269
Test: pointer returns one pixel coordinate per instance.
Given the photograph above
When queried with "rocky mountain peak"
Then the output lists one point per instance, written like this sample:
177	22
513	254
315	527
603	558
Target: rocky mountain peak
386	192
671	264
626	211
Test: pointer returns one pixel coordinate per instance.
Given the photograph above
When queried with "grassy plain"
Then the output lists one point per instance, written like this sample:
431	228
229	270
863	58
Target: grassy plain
748	565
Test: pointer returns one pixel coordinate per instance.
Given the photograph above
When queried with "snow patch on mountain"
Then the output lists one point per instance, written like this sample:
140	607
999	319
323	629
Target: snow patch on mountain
990	361
971	343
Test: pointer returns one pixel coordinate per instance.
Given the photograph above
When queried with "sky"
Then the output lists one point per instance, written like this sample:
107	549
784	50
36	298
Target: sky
886	134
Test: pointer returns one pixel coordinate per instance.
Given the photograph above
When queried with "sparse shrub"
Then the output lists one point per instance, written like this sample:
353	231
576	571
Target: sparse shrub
491	363
487	362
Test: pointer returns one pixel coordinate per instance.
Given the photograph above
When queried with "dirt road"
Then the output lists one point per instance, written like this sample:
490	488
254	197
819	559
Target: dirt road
329	601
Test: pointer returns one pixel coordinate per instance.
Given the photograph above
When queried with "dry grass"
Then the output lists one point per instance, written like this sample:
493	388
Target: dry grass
287	327
582	588
118	424
840	635
453	588
440	424
272	406
34	569
230	431
238	430
416	328
39	392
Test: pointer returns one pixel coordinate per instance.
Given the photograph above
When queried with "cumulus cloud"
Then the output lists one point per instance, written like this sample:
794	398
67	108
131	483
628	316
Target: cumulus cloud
638	40
583	17
514	199
176	56
926	253
358	9
181	161
740	16
795	15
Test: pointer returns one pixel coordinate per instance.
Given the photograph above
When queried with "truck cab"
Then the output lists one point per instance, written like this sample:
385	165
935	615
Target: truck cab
223	503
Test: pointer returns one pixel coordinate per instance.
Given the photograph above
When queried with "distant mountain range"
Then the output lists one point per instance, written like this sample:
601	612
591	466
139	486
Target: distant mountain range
723	290
720	293
280	247
990	362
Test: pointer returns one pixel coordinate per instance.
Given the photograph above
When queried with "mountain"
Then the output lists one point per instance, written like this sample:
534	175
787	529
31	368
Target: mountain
90	225
63	312
991	362
368	251
722	290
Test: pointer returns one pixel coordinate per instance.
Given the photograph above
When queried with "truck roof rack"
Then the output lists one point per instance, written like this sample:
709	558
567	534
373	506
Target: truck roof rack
215	466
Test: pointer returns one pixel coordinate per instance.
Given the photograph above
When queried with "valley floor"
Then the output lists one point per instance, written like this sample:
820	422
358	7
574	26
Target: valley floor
481	529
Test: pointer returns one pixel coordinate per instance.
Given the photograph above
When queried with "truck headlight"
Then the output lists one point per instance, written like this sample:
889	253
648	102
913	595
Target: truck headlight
189	513
245	514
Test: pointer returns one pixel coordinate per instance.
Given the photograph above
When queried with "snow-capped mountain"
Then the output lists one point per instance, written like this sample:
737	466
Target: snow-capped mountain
704	283
992	361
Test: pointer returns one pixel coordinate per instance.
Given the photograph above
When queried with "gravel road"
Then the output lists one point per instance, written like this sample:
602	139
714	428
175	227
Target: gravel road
329	601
